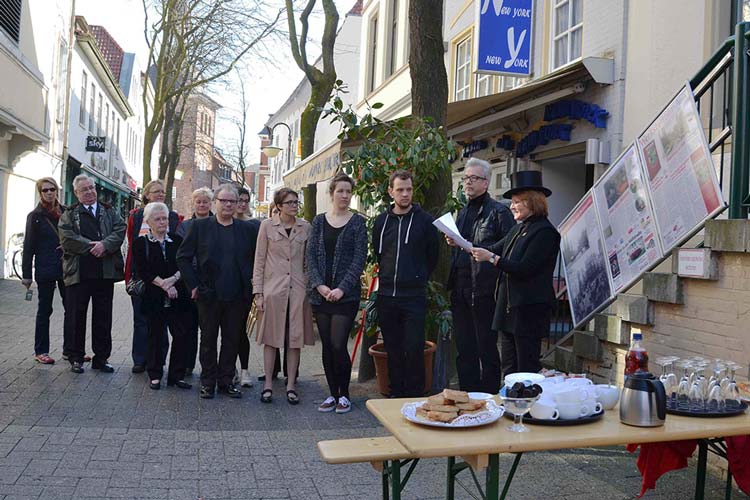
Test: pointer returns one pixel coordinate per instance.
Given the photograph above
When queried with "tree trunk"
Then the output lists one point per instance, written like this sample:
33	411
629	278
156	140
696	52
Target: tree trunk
429	95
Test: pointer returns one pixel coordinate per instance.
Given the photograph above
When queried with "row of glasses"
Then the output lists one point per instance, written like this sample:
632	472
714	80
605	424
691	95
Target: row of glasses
695	392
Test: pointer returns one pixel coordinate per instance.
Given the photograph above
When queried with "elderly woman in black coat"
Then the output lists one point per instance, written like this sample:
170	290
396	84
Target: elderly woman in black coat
527	256
165	300
336	255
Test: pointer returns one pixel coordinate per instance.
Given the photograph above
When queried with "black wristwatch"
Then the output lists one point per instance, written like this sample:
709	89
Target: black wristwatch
493	259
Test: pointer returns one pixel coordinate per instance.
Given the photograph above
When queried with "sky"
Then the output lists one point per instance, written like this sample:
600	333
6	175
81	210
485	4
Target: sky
267	84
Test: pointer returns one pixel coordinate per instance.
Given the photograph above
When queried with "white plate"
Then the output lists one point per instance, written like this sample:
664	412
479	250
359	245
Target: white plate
526	377
493	413
480	395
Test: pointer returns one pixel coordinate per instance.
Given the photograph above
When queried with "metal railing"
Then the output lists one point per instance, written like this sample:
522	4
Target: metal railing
722	94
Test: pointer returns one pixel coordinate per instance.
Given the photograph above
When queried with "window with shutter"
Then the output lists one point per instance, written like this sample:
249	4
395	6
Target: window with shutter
10	18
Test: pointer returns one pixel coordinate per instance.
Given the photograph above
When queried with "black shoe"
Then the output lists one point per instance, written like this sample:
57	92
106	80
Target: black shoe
76	367
179	383
66	357
231	391
138	369
103	367
155	385
207	392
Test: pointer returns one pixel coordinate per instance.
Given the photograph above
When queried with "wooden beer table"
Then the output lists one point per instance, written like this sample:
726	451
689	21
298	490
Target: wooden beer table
479	447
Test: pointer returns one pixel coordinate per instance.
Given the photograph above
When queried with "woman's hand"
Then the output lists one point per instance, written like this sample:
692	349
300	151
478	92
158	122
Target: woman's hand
481	254
172	293
335	295
259	301
323	291
26	283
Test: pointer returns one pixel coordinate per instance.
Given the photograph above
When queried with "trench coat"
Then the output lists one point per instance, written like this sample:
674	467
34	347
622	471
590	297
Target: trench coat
279	275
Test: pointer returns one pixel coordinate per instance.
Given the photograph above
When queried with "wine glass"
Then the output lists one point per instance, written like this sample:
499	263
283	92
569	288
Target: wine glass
732	392
697	400
683	388
716	399
671	377
518	407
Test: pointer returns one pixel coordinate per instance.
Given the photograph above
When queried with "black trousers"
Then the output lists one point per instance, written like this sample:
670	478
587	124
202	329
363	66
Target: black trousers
477	360
44	311
191	337
99	293
177	321
402	323
334	324
520	353
227	316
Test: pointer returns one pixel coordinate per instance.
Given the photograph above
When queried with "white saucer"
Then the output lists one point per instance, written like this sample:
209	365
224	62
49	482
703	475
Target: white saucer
480	395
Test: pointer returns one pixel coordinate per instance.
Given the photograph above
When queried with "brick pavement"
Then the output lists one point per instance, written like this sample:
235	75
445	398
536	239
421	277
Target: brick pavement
67	436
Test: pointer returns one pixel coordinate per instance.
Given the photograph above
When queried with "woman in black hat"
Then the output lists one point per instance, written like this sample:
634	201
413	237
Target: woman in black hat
527	256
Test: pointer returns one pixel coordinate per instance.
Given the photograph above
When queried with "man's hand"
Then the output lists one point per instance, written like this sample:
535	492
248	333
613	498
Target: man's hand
194	293
168	283
450	241
97	248
172	293
259	301
335	295
26	283
481	254
323	291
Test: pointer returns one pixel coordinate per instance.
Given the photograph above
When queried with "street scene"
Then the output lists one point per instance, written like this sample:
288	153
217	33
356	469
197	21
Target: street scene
374	249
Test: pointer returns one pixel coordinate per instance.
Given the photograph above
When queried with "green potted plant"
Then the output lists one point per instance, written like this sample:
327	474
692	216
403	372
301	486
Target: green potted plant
372	150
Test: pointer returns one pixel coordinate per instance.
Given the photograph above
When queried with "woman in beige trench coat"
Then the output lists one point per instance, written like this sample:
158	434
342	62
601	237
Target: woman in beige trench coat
280	286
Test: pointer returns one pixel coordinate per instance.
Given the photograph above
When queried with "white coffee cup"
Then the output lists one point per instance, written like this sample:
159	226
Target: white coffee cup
571	411
607	395
579	381
544	410
592	406
573	395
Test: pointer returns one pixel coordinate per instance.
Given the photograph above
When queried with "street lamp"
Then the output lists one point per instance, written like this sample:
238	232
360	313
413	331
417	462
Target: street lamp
273	151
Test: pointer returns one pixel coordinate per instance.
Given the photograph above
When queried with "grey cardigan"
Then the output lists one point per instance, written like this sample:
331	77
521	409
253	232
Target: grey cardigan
348	259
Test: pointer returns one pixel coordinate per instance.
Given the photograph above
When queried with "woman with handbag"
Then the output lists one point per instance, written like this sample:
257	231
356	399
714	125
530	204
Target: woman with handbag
164	298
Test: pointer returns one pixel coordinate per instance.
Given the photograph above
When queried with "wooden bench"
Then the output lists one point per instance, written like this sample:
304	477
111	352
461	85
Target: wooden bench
386	455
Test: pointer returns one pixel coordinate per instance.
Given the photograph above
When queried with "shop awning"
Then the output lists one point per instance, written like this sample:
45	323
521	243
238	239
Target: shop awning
109	183
317	167
472	117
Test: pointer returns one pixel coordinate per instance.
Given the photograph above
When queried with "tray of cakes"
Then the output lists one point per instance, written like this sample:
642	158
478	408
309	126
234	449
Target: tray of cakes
452	409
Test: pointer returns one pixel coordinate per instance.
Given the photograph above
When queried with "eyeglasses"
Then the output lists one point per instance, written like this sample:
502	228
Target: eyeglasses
160	191
86	189
292	203
471	179
243	201
49	190
225	201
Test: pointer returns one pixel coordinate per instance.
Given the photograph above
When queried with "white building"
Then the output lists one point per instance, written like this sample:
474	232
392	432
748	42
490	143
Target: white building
34	57
293	171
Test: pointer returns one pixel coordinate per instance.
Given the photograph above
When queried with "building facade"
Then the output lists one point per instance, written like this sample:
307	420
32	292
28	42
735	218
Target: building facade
35	50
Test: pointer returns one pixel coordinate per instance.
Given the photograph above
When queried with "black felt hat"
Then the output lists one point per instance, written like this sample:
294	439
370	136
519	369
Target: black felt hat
526	180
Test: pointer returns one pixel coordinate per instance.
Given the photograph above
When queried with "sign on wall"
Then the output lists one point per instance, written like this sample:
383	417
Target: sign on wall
503	40
95	144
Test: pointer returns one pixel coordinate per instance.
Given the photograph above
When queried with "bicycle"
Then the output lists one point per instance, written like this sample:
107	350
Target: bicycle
14	255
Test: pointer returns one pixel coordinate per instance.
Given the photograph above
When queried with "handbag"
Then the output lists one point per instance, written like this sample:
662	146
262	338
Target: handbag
136	287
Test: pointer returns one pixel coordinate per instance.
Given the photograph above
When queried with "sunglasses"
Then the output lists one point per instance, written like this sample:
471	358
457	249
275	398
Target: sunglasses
49	190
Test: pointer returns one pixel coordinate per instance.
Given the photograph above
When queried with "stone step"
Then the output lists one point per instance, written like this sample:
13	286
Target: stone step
612	328
663	287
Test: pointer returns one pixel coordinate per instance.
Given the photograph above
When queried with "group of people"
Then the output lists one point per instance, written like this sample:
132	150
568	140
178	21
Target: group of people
204	273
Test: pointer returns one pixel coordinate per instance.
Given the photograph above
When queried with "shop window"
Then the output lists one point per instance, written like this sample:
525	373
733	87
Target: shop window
485	84
511	82
62	79
392	40
10	18
462	77
82	107
372	53
567	31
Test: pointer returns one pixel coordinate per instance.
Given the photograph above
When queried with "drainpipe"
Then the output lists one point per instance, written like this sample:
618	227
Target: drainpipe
740	174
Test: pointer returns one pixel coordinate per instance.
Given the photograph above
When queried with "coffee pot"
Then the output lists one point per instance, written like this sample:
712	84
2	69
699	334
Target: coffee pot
643	401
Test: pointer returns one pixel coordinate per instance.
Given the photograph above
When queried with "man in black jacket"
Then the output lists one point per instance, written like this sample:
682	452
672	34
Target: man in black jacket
406	248
224	248
484	221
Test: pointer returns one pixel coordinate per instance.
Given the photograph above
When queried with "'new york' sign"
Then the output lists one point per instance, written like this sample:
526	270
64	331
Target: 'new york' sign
504	36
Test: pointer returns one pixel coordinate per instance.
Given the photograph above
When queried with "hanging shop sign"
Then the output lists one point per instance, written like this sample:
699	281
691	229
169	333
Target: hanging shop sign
95	144
503	42
472	147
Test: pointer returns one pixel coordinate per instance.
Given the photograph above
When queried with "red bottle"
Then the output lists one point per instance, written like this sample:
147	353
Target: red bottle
636	360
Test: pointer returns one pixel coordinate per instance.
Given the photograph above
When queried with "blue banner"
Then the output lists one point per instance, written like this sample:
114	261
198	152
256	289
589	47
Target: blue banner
504	36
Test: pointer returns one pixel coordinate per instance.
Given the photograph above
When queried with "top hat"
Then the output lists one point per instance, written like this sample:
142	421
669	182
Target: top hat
526	180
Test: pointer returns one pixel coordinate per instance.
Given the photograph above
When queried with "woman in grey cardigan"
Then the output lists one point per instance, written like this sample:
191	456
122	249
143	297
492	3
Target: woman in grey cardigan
336	255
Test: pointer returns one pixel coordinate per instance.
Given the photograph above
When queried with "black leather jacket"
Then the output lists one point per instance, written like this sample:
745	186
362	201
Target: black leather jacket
493	222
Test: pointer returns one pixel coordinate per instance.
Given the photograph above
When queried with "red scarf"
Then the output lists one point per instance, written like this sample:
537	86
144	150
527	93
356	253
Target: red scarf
52	209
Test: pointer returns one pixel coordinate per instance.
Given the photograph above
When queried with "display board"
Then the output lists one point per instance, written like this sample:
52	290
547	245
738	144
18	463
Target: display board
623	205
680	175
584	261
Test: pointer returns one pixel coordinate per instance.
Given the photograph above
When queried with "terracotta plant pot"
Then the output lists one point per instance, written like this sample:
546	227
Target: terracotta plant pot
380	357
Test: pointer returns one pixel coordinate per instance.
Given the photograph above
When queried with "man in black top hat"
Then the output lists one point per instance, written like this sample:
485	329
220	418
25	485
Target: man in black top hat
527	257
484	221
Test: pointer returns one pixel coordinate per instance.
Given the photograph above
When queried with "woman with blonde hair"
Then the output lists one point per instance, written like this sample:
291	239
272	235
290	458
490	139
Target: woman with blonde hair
41	245
153	191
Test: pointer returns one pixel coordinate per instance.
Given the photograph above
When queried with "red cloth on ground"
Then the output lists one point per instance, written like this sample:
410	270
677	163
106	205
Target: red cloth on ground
657	459
738	456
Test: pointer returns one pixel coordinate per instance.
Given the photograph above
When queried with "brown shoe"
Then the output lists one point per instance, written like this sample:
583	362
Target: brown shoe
328	405
44	359
344	405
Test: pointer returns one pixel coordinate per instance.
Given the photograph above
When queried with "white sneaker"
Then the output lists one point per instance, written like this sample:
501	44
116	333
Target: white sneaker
344	406
328	405
246	380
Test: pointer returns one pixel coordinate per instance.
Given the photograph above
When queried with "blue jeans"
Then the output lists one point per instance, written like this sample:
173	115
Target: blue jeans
44	311
140	335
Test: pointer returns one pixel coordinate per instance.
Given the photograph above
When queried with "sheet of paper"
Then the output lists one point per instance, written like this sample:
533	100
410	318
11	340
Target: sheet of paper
447	225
